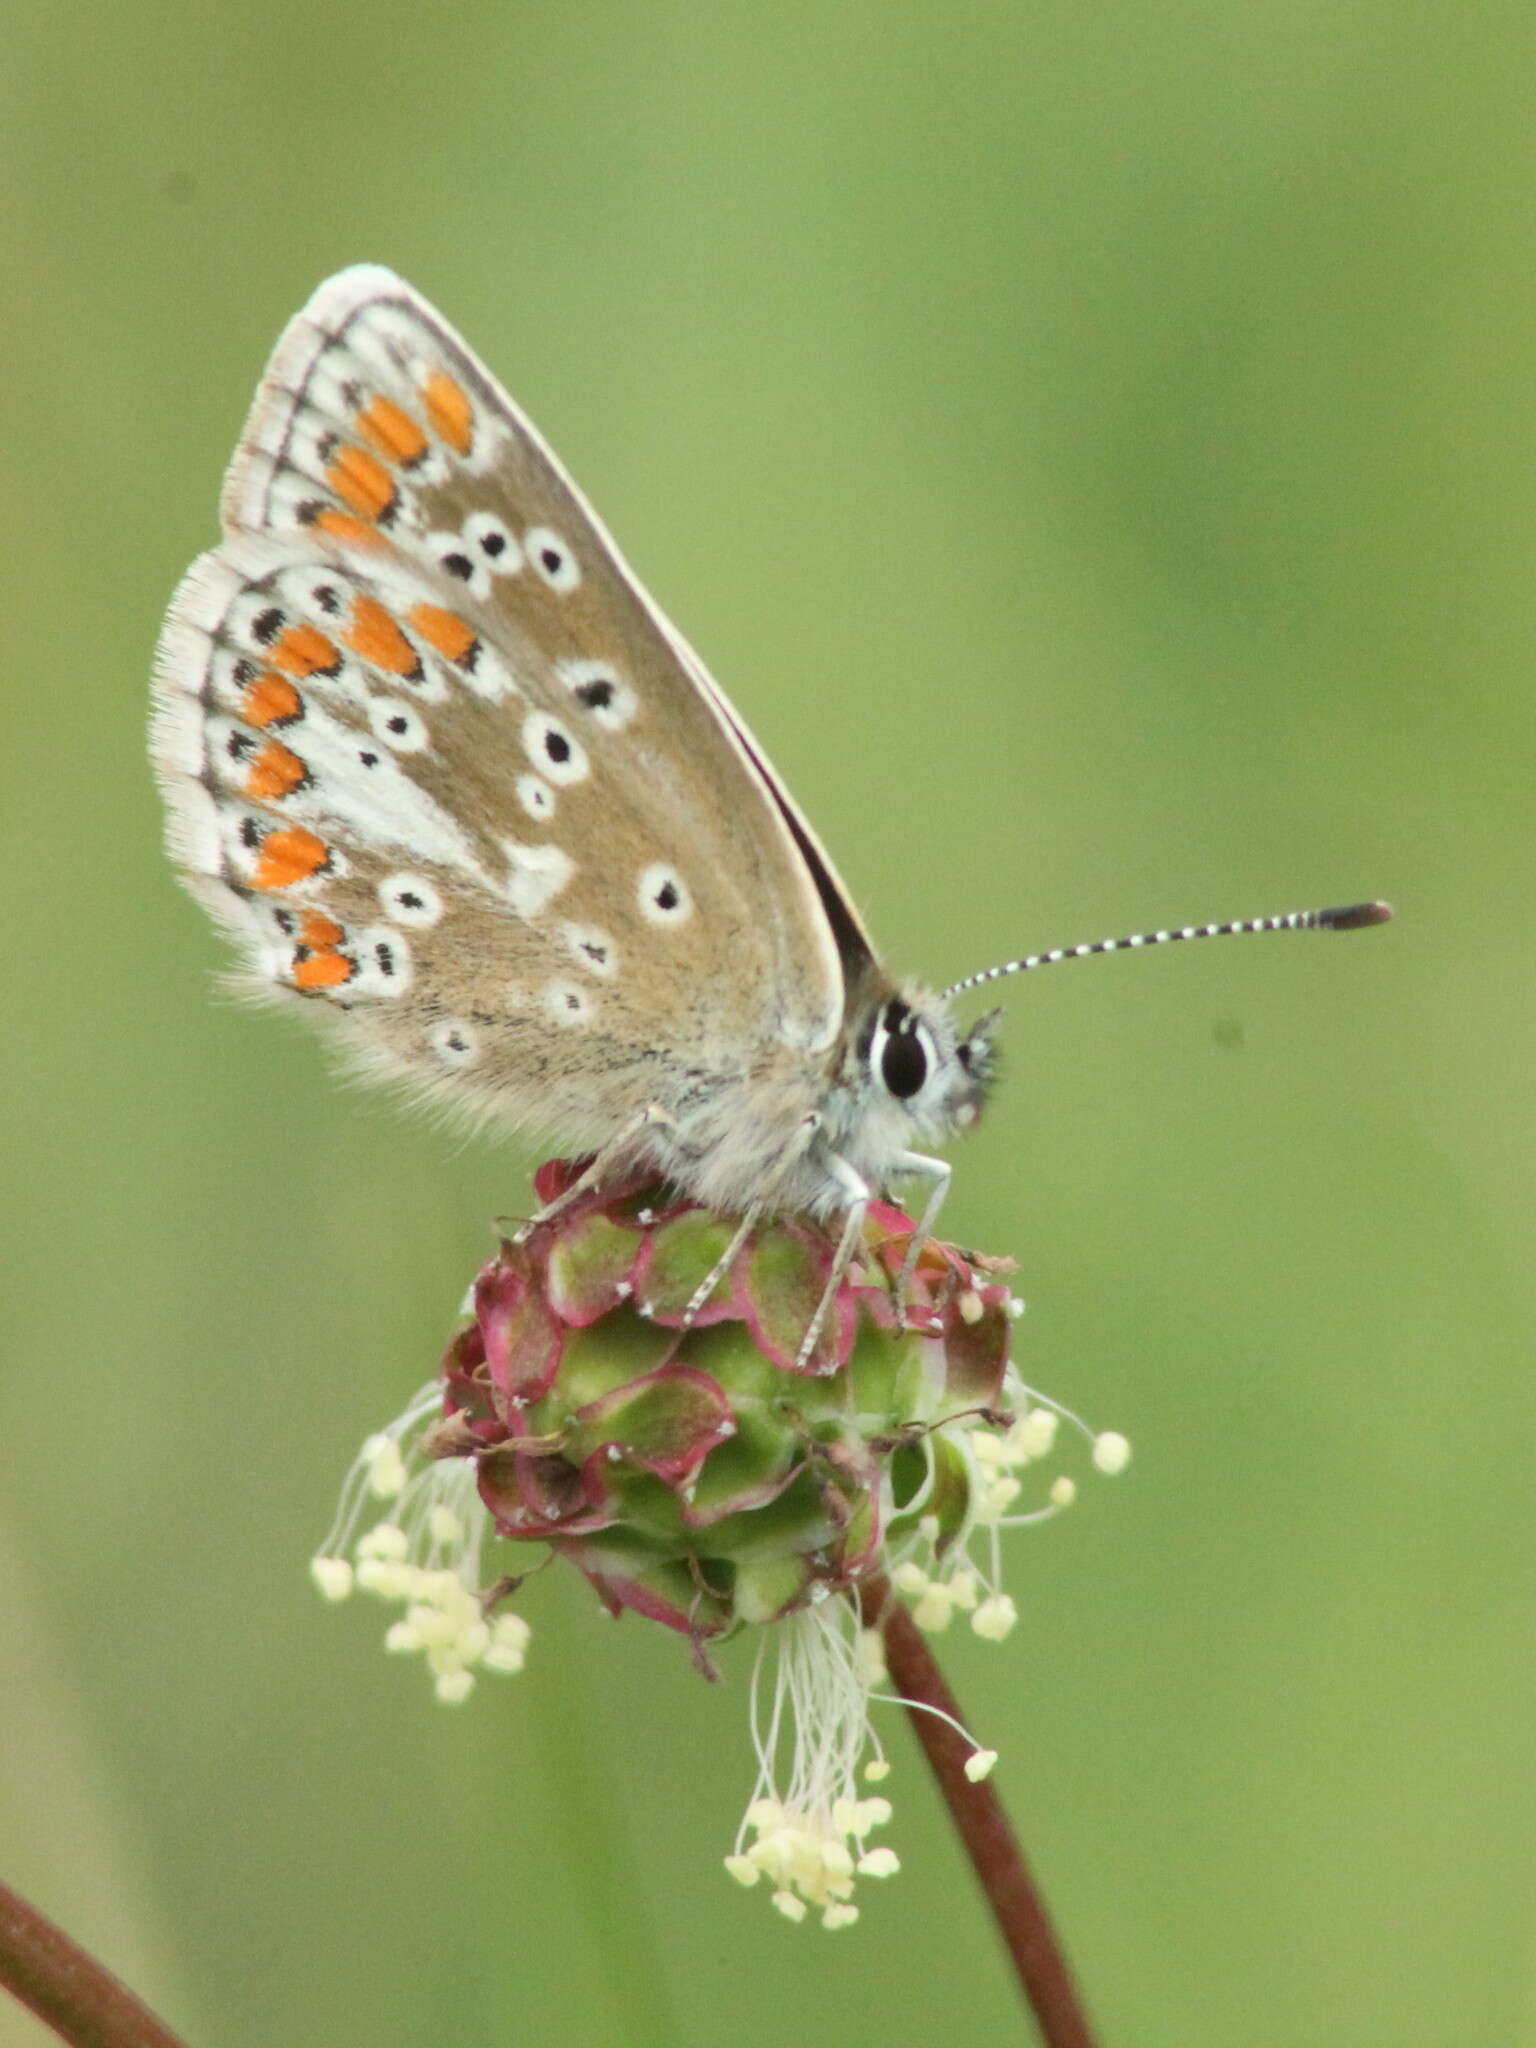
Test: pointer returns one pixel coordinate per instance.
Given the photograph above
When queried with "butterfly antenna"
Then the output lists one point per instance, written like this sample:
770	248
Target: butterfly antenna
1351	917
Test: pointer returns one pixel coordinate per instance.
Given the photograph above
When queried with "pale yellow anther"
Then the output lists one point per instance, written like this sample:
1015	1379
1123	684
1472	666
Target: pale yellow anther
869	1659
995	1617
504	1657
433	1627
389	1581
1111	1451
1037	1432
999	1498
386	1469
332	1575
962	1589
934	1612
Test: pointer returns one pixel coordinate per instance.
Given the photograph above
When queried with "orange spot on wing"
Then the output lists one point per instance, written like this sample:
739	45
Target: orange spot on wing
374	635
270	700
322	970
275	772
361	481
449	410
320	932
445	631
305	651
289	856
350	532
392	433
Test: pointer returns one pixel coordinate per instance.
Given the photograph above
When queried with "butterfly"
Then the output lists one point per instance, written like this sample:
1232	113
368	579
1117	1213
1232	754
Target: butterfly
448	778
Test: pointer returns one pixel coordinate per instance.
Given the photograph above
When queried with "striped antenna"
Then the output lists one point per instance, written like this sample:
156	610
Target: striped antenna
1352	917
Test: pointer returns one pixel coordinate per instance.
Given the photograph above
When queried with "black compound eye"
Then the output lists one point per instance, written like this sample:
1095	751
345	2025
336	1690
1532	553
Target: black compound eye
903	1064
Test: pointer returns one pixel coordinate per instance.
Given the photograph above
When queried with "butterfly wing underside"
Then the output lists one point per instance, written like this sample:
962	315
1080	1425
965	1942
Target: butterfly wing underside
443	771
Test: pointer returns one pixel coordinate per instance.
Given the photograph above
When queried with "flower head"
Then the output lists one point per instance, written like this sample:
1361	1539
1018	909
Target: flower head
631	1396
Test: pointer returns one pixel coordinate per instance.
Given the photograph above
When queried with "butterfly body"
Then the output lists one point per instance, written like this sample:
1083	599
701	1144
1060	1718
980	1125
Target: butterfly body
447	776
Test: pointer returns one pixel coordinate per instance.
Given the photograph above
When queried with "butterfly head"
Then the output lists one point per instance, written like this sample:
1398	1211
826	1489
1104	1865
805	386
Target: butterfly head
921	1074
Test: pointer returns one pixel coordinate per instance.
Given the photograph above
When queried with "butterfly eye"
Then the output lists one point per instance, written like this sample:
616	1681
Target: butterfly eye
904	1064
902	1052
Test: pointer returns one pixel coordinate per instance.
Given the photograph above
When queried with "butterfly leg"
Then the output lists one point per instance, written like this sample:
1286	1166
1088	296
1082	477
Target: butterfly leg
857	1191
754	1215
723	1264
594	1175
936	1172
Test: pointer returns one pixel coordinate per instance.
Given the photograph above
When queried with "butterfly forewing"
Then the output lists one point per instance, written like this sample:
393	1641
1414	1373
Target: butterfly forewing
442	768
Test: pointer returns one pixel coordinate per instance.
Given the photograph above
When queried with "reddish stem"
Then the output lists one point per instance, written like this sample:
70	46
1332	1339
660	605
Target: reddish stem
983	1826
67	1989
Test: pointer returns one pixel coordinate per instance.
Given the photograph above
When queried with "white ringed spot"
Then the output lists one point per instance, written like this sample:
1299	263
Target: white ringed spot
593	949
538	874
455	1043
536	797
555	749
552	559
411	900
567	1003
490	540
256	620
230	676
399	725
460	561
303	591
383	962
599	688
663	895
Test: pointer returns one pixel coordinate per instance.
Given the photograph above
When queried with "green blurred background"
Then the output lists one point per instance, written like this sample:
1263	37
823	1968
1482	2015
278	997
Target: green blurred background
1095	446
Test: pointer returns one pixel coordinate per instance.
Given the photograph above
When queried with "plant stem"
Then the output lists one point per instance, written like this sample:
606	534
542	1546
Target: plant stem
67	1989
981	1823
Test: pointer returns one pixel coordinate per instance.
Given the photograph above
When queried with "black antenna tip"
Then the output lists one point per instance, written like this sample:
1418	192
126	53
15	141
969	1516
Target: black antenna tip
1354	917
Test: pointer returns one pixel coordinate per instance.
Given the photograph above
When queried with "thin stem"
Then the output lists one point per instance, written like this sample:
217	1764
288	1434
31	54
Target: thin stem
67	1989
981	1823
